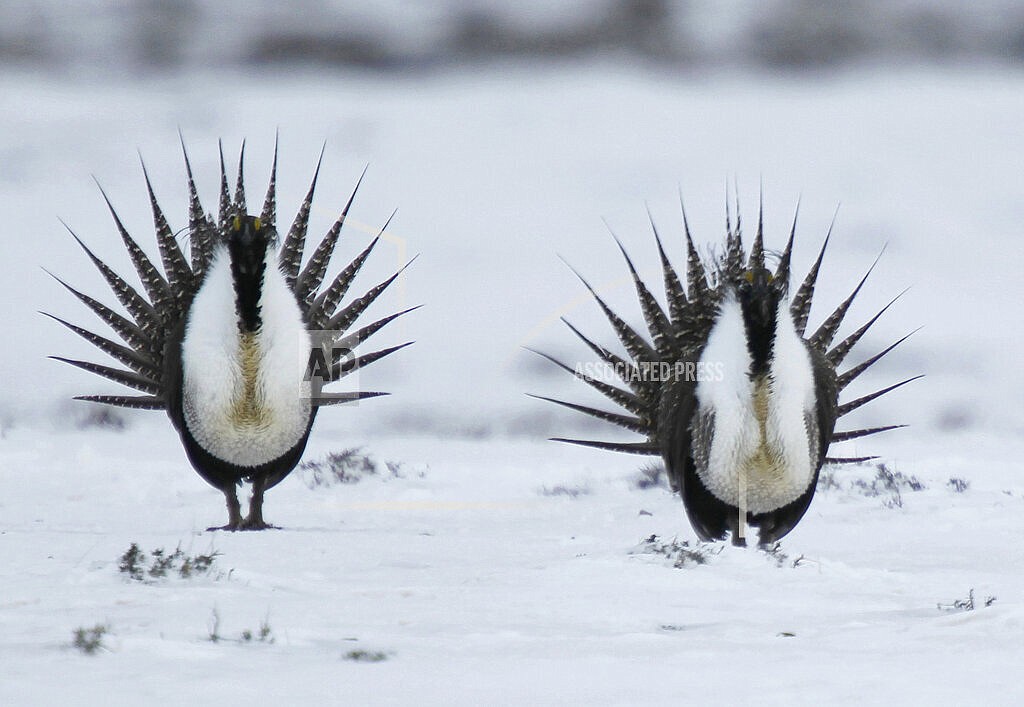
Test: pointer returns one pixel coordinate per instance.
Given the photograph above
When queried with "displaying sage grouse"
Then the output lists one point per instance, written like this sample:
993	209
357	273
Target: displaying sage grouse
740	404
227	339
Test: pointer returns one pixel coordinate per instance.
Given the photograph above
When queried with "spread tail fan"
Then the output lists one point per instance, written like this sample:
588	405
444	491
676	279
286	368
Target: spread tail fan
157	309
664	412
209	332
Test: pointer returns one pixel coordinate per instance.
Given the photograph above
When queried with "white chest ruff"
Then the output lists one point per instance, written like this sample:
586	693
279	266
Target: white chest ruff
760	445
244	398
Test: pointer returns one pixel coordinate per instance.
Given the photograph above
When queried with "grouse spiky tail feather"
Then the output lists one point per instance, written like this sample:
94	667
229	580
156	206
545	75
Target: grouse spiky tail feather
227	389
726	387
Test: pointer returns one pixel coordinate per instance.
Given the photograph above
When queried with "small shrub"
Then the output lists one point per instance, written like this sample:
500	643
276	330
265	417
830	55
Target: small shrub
264	635
348	466
160	563
131	562
779	556
967	604
886	482
364	656
102	417
88	417
827	480
650	476
214	632
199	564
89	640
958	485
889	482
680	553
562	490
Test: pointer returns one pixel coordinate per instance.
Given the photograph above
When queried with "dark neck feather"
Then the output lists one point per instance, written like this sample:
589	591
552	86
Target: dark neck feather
248	266
759	322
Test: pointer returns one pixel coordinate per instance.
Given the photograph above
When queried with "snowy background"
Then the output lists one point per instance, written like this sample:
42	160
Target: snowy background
492	566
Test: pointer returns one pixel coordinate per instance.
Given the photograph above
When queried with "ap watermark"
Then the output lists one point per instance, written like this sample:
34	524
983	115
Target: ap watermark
654	371
331	359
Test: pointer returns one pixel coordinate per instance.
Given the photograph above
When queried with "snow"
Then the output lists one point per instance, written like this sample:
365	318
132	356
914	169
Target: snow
479	586
481	589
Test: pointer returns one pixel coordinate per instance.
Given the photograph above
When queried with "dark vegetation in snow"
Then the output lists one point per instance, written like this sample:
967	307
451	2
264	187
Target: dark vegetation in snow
264	634
364	656
651	475
681	554
565	490
348	466
966	604
958	485
886	483
89	640
159	564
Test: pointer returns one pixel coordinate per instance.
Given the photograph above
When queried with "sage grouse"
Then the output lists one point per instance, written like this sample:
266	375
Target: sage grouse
226	341
739	403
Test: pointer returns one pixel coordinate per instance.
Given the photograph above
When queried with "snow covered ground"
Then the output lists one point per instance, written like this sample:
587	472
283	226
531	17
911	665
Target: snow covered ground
499	568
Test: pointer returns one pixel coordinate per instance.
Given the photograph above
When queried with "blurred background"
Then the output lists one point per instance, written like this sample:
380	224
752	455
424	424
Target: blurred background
406	35
504	133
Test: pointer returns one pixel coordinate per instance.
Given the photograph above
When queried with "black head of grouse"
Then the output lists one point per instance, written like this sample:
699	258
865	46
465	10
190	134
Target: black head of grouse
739	402
226	340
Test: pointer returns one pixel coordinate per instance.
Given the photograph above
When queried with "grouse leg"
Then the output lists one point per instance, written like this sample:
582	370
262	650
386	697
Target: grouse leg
234	510
254	521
